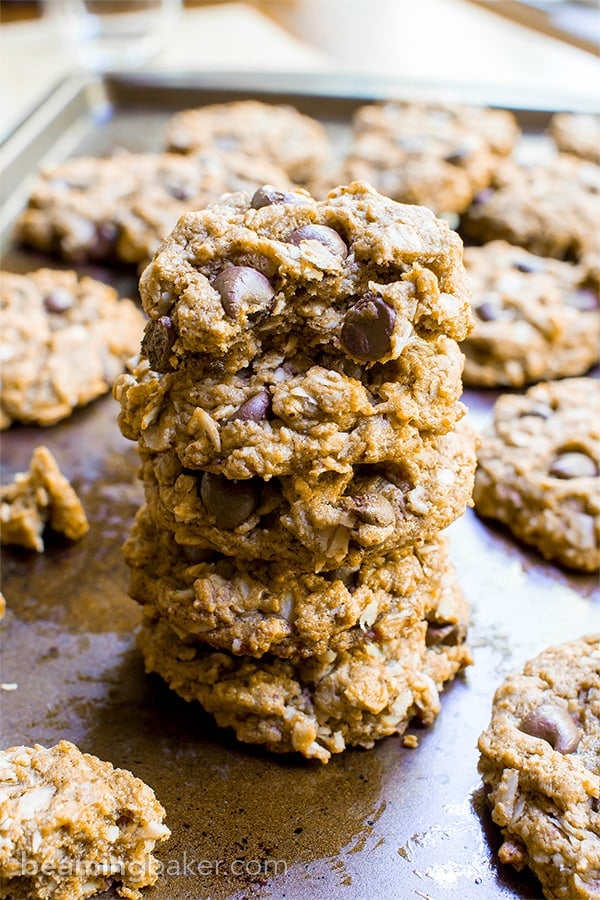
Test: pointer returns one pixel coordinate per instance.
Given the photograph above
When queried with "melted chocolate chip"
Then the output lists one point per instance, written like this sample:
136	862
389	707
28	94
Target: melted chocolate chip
58	300
243	286
553	724
449	635
230	502
573	464
330	239
157	343
487	312
367	329
373	509
255	409
267	195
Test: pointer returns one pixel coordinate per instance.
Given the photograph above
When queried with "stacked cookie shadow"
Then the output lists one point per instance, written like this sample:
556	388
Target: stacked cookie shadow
297	412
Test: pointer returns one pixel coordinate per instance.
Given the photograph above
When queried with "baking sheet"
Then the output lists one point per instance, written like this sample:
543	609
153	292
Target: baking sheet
391	822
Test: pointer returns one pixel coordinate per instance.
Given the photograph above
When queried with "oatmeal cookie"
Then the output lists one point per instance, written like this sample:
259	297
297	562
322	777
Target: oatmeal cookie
317	523
577	133
540	763
538	469
551	208
253	607
38	498
64	340
356	276
279	134
433	155
322	704
121	207
71	824
535	318
282	415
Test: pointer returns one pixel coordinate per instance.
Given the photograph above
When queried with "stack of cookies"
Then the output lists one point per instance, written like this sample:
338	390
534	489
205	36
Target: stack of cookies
297	411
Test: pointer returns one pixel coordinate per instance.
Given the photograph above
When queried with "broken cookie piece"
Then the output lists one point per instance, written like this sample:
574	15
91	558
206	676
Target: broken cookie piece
70	824
38	498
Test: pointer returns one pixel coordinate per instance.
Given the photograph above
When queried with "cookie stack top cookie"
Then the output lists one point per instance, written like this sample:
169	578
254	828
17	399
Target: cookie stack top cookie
356	274
288	335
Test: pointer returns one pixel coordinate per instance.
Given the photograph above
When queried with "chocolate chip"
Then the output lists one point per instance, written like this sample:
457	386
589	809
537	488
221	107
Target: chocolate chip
59	300
553	724
487	312
529	266
323	234
367	328
179	192
373	509
267	195
539	410
230	502
348	576
255	409
104	239
242	285
483	196
595	804
157	342
458	157
194	555
573	464
584	299
450	635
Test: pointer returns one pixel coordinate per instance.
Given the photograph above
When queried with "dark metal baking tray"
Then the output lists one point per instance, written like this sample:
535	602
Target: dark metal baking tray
384	823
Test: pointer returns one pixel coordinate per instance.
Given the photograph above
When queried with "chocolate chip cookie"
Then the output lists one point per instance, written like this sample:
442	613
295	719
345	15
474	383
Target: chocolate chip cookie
538	470
253	607
317	523
577	133
430	154
356	275
276	133
64	340
121	207
535	318
38	498
324	703
283	415
71	825
550	208
540	764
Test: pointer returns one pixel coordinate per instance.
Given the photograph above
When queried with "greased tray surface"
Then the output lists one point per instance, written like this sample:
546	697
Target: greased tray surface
390	822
